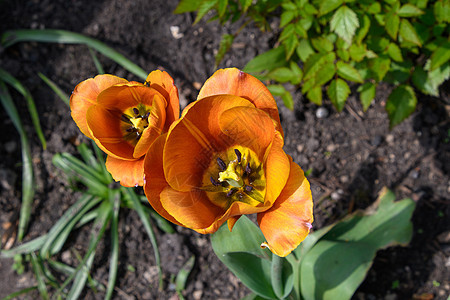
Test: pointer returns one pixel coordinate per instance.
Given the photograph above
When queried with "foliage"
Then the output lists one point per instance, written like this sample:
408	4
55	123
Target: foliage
329	264
325	45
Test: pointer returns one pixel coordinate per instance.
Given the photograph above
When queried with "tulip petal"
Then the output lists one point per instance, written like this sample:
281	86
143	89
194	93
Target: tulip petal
121	97
85	95
235	82
287	223
129	172
194	139
156	122
163	83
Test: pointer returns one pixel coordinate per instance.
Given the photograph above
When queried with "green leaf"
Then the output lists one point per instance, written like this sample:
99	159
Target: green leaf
348	72
290	44
37	270
392	22
408	33
315	62
58	91
225	44
408	10
276	89
337	264
274	58
440	56
400	104
114	256
363	29
394	52
204	7
357	52
344	23
245	4
374	8
315	95
288	100
322	44
283	74
328	6
325	74
66	37
183	274
286	17
429	82
222	7
298	73
97	63
279	90
442	11
187	6
338	92
366	94
240	251
304	49
379	67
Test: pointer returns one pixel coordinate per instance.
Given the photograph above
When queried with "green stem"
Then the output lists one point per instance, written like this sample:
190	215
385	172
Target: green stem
276	278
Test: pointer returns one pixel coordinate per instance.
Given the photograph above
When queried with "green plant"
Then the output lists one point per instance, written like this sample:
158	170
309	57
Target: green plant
323	45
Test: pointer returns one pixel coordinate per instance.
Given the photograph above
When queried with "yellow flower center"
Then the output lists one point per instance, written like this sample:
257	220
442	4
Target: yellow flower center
235	175
134	122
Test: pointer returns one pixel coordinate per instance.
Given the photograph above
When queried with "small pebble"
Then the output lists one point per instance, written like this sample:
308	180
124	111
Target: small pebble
175	31
389	138
322	113
300	147
414	174
376	140
197	295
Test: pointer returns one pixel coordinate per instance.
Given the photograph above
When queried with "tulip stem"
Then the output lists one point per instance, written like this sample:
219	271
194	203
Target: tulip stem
277	268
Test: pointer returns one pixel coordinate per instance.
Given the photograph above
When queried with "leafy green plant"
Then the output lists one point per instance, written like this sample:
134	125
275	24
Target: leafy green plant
324	45
329	264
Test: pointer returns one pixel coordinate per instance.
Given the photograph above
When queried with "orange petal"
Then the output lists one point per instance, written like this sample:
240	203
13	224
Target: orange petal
287	223
104	126
156	122
249	127
128	172
121	97
231	221
155	182
85	95
235	82
194	139
162	82
277	168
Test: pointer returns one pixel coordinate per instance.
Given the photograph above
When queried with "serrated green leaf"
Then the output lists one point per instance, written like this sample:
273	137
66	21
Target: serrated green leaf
394	52
225	44
338	92
343	54
187	6
363	29
286	17
379	67
204	7
429	82
314	63
392	22
400	104
288	100
245	4
408	33
269	60
310	9
298	73
308	84
322	44
287	32
283	74
222	7
276	89
315	95
290	44
442	11
344	23
324	74
329	5
300	31
357	52
304	49
348	72
367	94
374	8
440	56
408	10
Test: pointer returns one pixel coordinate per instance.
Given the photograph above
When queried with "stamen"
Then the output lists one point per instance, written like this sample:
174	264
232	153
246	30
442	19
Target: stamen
248	188
131	129
146	115
238	155
231	192
125	118
136	111
248	170
221	164
215	183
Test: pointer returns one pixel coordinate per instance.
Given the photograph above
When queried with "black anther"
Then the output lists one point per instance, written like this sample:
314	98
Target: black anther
248	188
147	115
238	154
231	192
221	164
215	183
248	170
125	118
135	110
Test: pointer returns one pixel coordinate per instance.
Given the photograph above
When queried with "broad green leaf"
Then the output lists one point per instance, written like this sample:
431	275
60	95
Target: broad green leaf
392	22
322	44
429	82
245	4
363	29
408	33
357	52
315	95
225	44
442	11
328	6
343	54
374	8
400	104
298	73
290	44
440	56
348	72
304	49
204	7
379	67
240	251
288	100
399	72
283	74
289	6
337	264
274	58
286	17
314	63
308	84
300	30
344	23
394	52
222	7
276	89
409	10
366	94
325	74
187	6
338	92
287	32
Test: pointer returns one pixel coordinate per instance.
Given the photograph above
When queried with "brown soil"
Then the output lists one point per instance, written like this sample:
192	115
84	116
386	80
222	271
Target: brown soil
352	154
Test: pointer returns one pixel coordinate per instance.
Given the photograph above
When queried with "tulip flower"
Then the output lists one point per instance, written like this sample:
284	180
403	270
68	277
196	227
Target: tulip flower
224	158
124	118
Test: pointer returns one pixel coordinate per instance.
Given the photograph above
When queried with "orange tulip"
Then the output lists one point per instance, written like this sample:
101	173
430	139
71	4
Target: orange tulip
124	118
224	158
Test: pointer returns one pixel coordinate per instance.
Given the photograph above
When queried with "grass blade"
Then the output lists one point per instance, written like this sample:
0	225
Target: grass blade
66	37
114	260
27	168
182	276
15	295
28	247
146	222
58	91
39	277
18	86
97	63
68	270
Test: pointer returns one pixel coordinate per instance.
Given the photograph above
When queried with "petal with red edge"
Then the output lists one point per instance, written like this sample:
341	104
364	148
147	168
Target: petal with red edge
128	172
235	82
287	223
194	139
85	95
